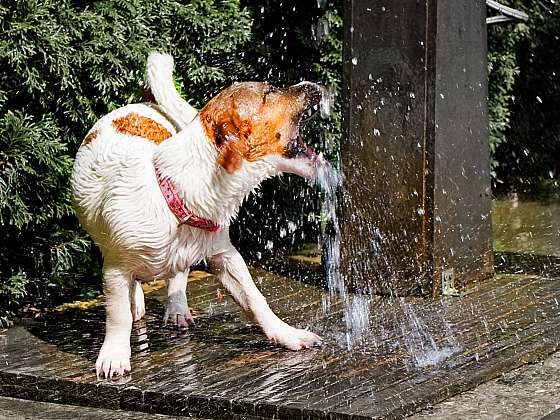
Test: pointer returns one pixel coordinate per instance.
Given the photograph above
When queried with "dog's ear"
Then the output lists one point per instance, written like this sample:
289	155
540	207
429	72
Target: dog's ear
231	140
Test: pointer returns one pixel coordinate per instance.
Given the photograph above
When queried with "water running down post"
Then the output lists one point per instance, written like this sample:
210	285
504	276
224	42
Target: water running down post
415	205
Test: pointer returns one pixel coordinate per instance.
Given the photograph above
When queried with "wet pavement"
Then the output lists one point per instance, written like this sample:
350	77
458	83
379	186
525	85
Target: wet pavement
224	366
527	227
16	409
529	393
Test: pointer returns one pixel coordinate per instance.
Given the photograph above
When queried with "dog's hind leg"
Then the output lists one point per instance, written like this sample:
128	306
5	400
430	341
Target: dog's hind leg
114	356
138	307
177	310
234	275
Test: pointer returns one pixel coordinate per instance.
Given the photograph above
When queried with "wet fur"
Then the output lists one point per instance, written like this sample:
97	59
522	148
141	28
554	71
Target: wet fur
215	158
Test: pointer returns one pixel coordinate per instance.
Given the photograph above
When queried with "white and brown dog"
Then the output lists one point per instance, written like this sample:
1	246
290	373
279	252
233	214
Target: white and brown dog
157	184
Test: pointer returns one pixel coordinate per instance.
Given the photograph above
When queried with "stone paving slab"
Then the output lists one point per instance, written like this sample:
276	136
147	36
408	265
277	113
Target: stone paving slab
16	409
416	353
530	392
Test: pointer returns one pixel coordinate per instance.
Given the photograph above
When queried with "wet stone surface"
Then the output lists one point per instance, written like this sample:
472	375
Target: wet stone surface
12	408
416	353
530	392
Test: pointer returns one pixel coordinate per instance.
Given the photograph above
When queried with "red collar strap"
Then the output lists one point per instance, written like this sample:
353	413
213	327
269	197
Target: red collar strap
177	206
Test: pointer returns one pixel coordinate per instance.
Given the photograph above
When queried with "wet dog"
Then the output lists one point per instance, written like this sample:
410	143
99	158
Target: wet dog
156	185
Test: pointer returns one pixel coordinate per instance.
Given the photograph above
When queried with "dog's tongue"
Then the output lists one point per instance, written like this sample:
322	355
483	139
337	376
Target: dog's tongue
307	151
324	174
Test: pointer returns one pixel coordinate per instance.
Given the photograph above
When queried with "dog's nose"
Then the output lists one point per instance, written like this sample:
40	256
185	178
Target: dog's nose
312	91
314	96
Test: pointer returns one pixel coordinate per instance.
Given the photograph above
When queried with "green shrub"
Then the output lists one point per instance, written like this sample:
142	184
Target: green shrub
63	65
525	98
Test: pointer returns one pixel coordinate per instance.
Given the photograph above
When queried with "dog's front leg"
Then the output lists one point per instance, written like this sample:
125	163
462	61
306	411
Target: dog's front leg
177	310
114	356
234	275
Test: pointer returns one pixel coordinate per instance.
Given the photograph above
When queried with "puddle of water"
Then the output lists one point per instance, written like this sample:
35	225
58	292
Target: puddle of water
526	226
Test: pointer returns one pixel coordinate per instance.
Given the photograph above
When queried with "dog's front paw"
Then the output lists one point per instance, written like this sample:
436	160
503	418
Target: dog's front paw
293	338
182	319
113	360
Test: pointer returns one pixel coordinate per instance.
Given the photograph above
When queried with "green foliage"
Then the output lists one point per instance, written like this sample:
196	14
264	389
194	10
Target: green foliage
525	97
34	167
502	75
63	65
12	291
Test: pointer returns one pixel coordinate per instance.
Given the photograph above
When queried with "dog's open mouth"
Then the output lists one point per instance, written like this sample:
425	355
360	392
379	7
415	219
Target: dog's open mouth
297	148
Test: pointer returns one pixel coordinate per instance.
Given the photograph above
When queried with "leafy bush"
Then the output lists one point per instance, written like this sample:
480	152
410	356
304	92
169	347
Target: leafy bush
525	98
502	75
63	65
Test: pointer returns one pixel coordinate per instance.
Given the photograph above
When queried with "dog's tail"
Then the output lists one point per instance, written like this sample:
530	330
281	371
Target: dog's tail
159	78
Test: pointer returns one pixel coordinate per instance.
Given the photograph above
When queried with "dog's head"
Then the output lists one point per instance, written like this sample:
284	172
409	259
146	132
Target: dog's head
250	122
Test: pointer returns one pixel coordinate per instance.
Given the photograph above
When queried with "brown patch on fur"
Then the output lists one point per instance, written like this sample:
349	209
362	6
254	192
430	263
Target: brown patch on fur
137	125
249	121
90	137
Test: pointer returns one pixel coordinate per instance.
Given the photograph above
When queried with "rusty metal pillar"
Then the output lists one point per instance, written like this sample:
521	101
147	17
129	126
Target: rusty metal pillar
415	155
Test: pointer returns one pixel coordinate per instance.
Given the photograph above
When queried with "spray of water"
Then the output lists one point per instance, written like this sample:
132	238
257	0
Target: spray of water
355	308
415	336
419	342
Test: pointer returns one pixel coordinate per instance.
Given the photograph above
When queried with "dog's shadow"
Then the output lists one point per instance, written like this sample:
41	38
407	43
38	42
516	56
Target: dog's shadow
81	332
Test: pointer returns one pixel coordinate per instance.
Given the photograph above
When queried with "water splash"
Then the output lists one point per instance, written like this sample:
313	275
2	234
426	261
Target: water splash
355	308
418	340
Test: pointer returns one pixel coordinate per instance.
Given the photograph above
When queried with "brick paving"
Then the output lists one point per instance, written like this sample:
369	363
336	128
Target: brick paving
225	368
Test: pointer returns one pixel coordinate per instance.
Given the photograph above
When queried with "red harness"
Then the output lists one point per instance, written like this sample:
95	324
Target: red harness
178	208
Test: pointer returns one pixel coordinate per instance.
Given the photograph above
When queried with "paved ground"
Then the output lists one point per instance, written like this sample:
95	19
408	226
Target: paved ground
11	408
415	353
527	393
